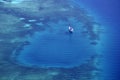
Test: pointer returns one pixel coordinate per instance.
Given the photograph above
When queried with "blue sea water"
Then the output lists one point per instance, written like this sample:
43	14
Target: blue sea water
109	12
57	48
61	56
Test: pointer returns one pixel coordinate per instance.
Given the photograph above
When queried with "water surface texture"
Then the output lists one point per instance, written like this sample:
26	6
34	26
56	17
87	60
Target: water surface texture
57	48
36	44
54	45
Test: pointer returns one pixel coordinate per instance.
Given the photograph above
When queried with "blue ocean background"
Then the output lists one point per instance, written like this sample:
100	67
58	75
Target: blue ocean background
108	13
54	51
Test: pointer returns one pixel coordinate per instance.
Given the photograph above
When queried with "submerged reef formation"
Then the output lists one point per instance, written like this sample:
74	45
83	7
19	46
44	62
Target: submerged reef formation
18	22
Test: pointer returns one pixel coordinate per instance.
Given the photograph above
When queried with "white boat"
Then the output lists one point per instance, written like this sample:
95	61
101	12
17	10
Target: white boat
70	29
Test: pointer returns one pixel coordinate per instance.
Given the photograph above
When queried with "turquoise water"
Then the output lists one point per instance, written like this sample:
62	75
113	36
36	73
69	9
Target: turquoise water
53	45
36	44
36	36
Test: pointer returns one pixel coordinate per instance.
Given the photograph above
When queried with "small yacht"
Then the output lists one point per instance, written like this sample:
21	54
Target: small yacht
70	29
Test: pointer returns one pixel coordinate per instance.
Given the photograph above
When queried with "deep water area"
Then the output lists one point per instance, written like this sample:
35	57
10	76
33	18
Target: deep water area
57	48
37	44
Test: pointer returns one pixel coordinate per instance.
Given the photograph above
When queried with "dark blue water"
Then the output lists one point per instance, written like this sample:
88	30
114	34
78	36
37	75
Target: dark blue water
109	12
57	48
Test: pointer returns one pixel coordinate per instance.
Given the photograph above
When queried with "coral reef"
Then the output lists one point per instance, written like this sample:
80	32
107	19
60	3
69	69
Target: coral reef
18	22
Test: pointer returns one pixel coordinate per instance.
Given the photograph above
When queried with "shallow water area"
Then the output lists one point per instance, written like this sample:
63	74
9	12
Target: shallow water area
37	45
